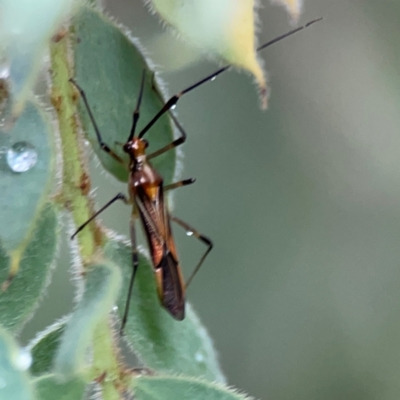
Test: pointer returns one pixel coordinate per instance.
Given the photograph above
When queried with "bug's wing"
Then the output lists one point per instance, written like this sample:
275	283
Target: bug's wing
170	286
155	219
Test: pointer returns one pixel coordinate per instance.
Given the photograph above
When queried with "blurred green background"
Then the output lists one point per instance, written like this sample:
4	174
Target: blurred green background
302	291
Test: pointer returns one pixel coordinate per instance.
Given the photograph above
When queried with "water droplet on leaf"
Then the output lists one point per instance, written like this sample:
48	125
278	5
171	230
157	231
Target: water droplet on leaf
189	233
199	357
23	360
21	157
213	78
4	71
173	107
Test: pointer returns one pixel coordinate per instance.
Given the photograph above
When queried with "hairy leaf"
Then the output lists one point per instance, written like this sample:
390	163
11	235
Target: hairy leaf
48	388
18	302
25	191
224	28
171	388
293	7
25	29
14	381
159	341
102	286
44	347
112	91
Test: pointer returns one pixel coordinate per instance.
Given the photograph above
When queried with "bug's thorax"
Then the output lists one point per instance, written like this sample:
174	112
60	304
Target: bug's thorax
142	174
136	149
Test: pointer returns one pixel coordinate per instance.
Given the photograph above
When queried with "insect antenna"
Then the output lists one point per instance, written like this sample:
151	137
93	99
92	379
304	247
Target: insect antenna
174	99
136	113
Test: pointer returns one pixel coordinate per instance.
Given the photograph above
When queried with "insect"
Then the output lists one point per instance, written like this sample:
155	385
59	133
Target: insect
146	195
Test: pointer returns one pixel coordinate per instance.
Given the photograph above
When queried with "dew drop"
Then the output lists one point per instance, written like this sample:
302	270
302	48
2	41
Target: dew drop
213	78
23	360
4	71
173	107
21	157
189	233
115	308
199	357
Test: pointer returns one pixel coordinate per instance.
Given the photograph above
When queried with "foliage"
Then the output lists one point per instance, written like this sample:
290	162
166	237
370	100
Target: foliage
84	348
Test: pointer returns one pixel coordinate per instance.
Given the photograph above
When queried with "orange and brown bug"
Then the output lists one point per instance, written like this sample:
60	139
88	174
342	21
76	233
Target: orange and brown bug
146	194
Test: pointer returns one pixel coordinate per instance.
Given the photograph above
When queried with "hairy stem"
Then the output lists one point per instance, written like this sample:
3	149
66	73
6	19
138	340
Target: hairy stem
74	197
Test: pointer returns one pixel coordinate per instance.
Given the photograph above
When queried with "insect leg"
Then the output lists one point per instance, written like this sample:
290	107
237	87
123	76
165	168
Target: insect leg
199	236
135	264
119	196
175	185
175	143
175	98
102	145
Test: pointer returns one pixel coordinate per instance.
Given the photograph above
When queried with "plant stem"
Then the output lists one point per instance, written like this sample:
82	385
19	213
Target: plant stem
74	197
76	181
103	345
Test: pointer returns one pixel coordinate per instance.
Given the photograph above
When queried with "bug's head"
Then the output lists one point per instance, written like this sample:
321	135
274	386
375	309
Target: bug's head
136	148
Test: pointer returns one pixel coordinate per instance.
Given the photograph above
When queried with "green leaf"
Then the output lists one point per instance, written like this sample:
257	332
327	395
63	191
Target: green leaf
49	389
21	298
44	347
171	388
102	286
24	193
25	29
159	341
293	7
25	185
224	28
113	89
14	381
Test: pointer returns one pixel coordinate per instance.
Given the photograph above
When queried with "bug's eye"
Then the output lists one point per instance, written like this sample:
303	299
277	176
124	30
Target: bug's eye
127	147
146	143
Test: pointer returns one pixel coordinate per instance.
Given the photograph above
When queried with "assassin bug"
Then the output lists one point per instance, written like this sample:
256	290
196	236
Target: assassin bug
146	195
